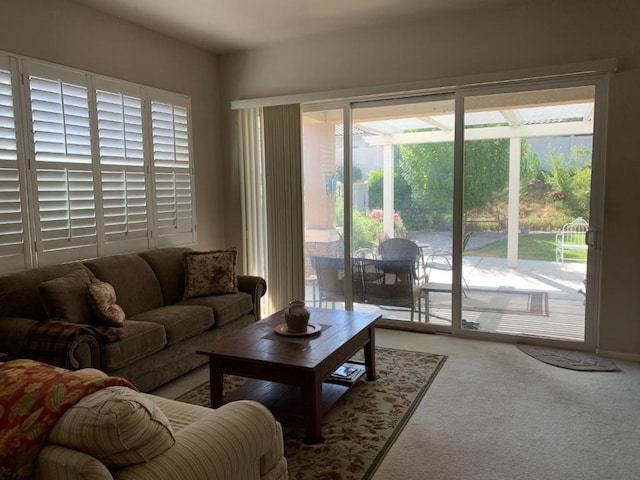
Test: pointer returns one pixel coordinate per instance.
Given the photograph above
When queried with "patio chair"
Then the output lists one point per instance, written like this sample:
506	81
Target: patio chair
571	239
442	259
390	283
330	274
404	249
364	253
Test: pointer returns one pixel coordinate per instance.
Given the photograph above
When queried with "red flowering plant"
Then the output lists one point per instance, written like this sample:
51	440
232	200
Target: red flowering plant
399	229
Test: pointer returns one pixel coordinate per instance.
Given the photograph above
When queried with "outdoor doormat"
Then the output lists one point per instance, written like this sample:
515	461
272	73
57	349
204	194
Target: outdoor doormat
505	301
570	359
360	429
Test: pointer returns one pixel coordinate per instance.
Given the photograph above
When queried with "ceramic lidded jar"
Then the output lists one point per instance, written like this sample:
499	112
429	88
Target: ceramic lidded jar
297	317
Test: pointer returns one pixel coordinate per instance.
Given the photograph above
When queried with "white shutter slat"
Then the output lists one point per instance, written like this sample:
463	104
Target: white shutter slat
64	176
123	180
12	239
172	173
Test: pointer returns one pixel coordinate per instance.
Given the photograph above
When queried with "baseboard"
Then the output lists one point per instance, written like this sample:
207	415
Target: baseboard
634	357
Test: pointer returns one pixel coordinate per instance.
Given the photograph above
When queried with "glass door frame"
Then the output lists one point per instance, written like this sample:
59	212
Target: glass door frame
599	80
601	83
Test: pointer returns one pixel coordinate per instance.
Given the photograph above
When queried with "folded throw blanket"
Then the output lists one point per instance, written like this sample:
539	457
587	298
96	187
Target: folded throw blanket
33	396
48	341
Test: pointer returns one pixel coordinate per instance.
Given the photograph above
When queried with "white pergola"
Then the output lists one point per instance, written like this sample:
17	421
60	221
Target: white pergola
561	112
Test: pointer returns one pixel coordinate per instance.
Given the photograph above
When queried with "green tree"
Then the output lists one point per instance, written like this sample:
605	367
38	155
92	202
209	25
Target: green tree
530	168
401	194
428	168
356	174
570	180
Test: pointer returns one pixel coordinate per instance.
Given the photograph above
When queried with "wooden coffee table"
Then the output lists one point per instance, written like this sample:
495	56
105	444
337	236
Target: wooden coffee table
290	373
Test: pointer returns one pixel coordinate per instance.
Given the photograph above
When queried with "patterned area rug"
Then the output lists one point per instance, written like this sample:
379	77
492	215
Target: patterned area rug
363	425
571	359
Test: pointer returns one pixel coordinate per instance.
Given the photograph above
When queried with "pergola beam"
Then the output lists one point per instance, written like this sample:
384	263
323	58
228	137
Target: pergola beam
484	133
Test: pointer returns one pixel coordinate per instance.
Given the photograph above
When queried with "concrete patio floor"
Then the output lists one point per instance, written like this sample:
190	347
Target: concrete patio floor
560	284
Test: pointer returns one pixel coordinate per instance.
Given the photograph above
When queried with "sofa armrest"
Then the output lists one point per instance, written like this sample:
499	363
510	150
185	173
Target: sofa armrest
256	287
60	463
13	334
84	352
235	441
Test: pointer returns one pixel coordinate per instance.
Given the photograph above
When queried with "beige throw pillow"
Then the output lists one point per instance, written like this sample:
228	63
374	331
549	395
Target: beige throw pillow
102	296
210	273
116	425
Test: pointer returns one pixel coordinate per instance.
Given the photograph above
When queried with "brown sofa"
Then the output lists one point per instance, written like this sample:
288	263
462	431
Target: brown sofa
161	332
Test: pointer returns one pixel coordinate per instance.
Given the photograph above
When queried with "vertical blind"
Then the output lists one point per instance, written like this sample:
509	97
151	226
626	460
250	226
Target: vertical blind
252	191
283	194
109	166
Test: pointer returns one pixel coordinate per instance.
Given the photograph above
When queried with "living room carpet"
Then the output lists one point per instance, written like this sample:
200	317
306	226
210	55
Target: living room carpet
363	425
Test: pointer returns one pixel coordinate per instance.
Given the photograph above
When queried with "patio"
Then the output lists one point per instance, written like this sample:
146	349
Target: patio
499	299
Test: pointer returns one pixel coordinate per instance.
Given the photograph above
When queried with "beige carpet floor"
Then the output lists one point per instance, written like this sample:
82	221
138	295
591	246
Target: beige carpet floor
495	413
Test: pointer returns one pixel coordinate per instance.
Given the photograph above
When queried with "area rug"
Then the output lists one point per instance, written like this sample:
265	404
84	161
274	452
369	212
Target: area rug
570	359
360	429
506	301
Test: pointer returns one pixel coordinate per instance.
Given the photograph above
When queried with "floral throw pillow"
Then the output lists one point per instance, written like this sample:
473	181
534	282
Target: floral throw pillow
102	297
210	273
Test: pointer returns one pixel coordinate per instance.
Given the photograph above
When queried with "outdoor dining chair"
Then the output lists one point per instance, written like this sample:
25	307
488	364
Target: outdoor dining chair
443	259
404	249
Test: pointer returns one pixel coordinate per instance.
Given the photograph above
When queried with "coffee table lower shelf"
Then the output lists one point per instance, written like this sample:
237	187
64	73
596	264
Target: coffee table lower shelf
285	401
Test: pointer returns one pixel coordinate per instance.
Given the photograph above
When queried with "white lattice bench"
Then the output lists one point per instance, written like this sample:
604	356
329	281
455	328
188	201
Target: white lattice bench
571	238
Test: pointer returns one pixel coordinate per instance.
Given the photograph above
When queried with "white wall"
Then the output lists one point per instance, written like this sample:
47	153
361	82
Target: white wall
67	33
528	34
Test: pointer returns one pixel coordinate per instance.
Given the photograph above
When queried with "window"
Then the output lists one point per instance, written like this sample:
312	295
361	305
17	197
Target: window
107	166
123	180
12	232
171	170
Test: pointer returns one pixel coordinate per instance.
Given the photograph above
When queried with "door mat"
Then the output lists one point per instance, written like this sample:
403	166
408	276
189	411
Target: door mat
362	426
570	359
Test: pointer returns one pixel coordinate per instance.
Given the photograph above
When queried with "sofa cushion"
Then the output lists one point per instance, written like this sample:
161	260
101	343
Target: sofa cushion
226	308
168	265
19	295
139	340
102	298
179	321
116	425
66	298
210	273
136	285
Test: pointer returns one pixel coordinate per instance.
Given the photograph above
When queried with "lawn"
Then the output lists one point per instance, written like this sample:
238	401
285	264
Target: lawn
537	246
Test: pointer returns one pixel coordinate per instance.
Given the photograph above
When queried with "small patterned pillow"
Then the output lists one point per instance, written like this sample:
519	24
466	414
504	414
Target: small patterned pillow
210	273
103	301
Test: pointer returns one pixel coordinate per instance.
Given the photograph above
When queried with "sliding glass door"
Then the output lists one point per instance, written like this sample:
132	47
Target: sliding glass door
527	184
492	196
323	160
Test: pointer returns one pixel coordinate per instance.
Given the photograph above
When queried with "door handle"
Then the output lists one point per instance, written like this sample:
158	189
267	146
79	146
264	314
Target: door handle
590	237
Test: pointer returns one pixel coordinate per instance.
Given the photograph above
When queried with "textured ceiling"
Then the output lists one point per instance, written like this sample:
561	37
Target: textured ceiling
224	26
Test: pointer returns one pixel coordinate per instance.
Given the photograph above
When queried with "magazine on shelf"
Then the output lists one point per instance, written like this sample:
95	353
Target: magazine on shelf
347	373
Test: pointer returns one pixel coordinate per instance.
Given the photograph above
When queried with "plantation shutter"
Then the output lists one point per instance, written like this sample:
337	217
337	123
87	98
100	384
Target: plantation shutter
61	147
122	167
172	177
12	230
